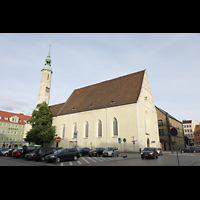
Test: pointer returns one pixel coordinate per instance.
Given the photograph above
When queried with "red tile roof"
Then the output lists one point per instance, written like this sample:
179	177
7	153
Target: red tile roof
4	114
119	91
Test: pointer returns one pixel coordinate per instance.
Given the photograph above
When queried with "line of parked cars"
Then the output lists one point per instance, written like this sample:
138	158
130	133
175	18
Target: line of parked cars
53	154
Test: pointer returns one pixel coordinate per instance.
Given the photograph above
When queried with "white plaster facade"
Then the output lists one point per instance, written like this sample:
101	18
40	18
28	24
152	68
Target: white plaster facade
136	121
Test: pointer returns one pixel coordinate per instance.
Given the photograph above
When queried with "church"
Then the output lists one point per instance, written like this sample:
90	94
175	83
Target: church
115	113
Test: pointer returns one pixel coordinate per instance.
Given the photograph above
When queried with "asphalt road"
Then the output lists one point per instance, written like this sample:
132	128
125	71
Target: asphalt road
167	159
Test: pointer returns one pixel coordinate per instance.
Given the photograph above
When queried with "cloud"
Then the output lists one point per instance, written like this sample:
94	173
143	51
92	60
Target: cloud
16	106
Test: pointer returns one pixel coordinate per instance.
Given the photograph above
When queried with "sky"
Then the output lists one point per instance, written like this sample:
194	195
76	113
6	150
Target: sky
172	61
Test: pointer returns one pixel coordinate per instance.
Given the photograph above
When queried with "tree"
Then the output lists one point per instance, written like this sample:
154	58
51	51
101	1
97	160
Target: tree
42	130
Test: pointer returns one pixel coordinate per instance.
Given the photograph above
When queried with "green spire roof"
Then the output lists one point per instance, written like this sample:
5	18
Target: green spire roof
48	62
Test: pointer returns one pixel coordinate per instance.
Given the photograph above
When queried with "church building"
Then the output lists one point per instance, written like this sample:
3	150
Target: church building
105	114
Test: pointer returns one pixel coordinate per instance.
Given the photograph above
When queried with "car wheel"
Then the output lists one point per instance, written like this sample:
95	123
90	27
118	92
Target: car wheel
57	159
142	157
97	155
75	158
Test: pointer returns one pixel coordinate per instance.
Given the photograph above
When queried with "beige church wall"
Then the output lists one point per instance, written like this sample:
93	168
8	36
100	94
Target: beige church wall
127	128
147	117
45	82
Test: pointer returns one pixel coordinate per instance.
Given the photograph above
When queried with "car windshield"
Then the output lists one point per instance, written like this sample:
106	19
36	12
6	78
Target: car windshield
148	149
109	148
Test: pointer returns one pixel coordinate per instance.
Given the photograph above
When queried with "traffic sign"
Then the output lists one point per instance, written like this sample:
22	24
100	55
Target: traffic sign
58	139
124	140
173	132
133	141
119	140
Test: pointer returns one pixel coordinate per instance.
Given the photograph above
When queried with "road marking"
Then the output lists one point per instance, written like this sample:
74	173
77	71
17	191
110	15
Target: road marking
61	164
79	162
92	159
85	160
70	163
99	159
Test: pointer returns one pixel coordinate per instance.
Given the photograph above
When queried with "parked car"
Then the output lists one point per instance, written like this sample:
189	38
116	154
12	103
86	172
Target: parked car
159	151
84	151
191	149
2	150
111	151
149	152
10	152
29	149
63	154
41	152
5	152
29	156
17	153
96	152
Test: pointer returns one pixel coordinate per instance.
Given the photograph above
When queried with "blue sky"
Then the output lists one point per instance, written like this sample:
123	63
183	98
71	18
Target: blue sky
172	61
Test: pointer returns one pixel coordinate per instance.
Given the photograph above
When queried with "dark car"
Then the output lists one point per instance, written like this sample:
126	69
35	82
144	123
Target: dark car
29	149
41	152
63	154
96	152
149	152
191	149
10	152
84	151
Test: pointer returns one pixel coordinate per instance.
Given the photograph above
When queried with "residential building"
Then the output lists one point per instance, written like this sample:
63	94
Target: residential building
197	135
12	128
189	126
165	123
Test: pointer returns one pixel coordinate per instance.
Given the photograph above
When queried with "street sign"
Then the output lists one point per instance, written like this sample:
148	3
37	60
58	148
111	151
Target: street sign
119	140
58	139
124	140
173	132
133	141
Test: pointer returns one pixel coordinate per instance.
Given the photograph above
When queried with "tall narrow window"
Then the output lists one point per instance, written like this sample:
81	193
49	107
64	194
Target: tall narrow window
99	128
75	130
115	127
63	131
86	129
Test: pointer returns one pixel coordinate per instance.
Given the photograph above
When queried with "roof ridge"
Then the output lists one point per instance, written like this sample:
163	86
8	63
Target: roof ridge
110	80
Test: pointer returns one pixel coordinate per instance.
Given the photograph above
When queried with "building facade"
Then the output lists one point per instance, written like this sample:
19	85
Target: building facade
103	114
189	126
165	123
197	135
12	128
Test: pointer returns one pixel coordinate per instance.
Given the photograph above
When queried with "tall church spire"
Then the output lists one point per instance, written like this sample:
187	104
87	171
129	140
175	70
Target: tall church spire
45	83
47	65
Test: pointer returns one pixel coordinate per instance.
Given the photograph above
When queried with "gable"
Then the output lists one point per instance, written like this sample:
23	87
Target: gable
120	91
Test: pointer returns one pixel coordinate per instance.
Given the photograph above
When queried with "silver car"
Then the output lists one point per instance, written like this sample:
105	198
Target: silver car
159	151
111	151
